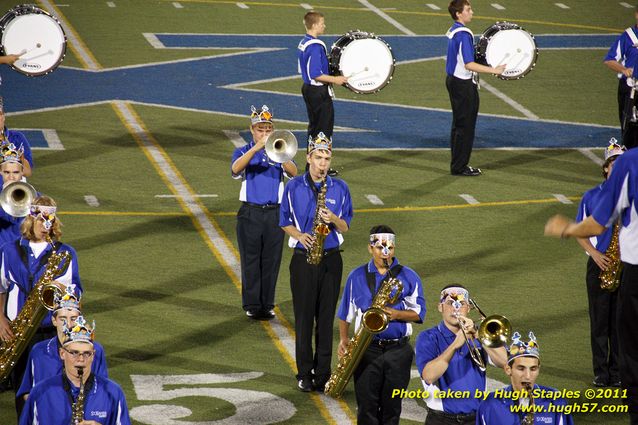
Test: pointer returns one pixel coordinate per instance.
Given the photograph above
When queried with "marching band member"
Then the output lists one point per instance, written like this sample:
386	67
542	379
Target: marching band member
259	236
12	169
94	399
445	363
315	288
622	58
602	302
523	366
462	87
8	137
23	262
385	365
617	199
44	359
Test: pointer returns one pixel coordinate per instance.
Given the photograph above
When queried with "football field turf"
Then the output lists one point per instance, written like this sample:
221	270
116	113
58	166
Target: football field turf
147	106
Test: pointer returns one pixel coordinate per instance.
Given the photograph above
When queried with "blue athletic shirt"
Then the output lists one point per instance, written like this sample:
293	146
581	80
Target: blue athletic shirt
600	242
460	51
262	180
623	51
313	60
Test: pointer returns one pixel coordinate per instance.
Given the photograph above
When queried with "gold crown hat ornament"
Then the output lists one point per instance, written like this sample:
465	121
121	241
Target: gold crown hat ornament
79	332
264	115
614	149
520	348
10	153
320	141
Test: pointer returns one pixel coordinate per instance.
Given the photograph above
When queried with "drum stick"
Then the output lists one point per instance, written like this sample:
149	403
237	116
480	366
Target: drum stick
25	51
507	55
358	72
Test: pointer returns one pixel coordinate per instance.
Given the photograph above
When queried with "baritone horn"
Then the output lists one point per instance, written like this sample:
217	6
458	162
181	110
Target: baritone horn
16	198
494	331
281	146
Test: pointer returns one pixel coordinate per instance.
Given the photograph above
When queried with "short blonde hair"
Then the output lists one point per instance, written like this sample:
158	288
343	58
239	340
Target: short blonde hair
28	225
311	18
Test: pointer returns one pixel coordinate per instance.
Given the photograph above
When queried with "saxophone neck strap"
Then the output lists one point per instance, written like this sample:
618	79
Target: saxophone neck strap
66	383
44	259
371	278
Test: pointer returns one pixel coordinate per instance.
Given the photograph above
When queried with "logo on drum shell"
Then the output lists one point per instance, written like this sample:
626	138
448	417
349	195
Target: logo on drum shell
32	66
366	84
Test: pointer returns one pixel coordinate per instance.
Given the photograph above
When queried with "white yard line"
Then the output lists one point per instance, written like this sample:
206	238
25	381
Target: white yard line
153	40
387	18
110	4
627	5
433	6
589	154
562	198
177	5
505	98
196	195
235	138
374	199
305	6
91	201
562	5
469	199
242	6
498	6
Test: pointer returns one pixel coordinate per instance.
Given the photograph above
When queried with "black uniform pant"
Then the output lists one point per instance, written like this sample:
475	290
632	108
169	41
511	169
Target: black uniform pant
464	98
260	241
628	337
624	92
441	418
315	291
629	129
382	369
602	322
321	113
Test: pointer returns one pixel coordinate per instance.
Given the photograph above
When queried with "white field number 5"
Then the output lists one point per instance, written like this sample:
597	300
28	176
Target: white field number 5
251	407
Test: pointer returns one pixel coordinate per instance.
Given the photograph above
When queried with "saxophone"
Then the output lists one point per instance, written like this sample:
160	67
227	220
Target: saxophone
374	320
41	298
610	278
528	419
319	229
77	409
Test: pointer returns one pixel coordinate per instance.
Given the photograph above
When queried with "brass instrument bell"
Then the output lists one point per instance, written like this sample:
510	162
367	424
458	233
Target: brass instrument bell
16	198
281	146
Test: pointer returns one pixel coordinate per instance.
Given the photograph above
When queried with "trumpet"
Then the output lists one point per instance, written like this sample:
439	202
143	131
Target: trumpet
16	198
281	146
493	332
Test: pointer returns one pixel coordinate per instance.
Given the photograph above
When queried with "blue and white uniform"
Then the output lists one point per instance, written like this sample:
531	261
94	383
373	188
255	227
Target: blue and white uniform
498	408
460	51
262	181
44	362
624	51
50	402
600	242
462	374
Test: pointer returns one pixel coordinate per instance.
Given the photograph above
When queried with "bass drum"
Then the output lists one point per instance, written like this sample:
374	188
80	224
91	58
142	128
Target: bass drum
365	59
34	34
507	43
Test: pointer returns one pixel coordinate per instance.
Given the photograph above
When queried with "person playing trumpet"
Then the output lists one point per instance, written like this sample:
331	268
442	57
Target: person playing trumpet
385	365
259	237
445	361
12	169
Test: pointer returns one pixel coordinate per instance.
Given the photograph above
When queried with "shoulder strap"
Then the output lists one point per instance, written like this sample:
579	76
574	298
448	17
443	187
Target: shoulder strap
632	36
452	33
303	46
371	280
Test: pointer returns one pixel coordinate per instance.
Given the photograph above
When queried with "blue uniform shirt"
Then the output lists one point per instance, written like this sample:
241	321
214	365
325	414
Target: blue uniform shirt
300	202
49	403
16	274
460	51
45	362
357	298
497	409
624	52
19	140
600	242
313	60
9	227
262	180
617	197
462	373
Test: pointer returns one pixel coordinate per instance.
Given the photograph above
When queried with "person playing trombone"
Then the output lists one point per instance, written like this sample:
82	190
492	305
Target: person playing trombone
259	237
449	357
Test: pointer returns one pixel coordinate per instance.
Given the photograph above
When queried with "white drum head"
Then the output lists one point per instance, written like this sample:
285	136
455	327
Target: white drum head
368	63
515	48
40	37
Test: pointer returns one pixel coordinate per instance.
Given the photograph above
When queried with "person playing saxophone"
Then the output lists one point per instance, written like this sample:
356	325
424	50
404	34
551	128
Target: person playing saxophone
385	365
315	287
603	299
77	396
523	402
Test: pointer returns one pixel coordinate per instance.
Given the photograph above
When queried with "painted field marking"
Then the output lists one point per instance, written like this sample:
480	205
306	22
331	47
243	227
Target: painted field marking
589	154
562	198
306	6
110	4
562	5
387	18
627	5
374	199
196	195
279	330
235	138
469	199
91	201
177	5
505	98
242	6
433	6
498	6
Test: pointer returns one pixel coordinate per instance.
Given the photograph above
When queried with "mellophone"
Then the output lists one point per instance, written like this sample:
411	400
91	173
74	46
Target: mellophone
35	35
506	43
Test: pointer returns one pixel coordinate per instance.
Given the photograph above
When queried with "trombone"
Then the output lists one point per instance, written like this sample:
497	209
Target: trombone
281	146
492	332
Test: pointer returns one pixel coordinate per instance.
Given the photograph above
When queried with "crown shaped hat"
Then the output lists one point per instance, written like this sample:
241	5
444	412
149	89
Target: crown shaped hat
320	141
260	116
521	348
10	153
79	332
67	300
614	149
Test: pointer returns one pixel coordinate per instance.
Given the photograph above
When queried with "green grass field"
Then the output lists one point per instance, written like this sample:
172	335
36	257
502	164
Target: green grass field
165	295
